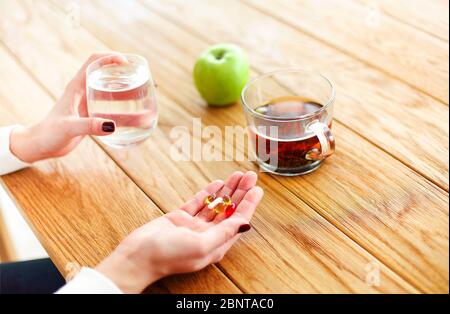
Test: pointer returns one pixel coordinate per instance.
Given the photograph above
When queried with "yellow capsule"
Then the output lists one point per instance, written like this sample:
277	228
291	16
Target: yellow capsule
220	208
227	200
209	199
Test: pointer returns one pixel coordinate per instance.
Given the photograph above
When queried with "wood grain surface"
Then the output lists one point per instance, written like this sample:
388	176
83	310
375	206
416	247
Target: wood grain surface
371	36
388	113
378	201
366	207
429	16
351	276
68	202
7	249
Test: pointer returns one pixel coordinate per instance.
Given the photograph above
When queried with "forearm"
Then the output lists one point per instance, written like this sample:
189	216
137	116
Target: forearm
121	269
9	161
23	144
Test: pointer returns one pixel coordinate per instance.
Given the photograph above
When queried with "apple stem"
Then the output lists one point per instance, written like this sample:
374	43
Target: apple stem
219	54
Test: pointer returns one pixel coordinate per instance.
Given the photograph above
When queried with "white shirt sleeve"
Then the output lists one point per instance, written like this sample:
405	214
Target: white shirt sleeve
8	162
89	281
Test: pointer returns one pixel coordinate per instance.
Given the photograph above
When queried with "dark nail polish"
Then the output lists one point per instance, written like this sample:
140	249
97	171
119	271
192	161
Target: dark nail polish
244	228
108	127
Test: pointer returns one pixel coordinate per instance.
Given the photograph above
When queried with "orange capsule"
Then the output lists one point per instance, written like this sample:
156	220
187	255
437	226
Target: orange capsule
218	209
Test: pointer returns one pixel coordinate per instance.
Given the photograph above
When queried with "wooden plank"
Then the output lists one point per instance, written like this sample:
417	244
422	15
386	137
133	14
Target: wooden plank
73	215
303	251
7	249
354	199
429	16
384	197
186	94
385	43
388	113
371	91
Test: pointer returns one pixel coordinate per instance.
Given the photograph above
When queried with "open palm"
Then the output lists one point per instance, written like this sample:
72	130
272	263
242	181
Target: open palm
192	237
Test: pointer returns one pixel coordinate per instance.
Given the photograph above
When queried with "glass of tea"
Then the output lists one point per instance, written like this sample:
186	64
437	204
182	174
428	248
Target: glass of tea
125	94
289	115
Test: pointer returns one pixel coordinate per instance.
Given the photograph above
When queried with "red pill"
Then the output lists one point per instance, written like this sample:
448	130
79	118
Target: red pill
230	210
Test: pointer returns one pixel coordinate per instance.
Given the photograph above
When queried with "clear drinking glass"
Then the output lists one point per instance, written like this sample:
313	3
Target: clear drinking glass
289	115
123	93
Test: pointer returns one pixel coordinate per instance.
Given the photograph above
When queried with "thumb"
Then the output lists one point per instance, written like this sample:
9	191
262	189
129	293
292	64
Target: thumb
89	126
224	231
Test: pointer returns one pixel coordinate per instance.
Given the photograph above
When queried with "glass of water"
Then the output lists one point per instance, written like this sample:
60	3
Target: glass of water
123	93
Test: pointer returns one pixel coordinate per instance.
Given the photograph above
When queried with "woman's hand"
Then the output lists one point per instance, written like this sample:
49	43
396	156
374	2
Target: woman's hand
67	123
184	240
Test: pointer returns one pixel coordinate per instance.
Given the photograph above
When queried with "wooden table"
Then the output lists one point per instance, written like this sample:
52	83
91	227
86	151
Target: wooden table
374	218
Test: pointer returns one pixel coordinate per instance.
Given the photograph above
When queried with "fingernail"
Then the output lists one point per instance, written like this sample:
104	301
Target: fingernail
108	127
244	228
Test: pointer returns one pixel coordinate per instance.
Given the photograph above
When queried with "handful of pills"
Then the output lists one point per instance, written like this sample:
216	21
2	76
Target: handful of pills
222	204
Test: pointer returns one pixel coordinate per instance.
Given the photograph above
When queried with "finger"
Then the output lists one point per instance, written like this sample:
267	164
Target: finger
245	210
78	83
247	182
143	119
247	206
230	185
193	206
82	106
104	58
220	234
88	126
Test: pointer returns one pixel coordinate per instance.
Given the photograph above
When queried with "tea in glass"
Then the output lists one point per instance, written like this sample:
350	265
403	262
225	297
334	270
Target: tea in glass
290	133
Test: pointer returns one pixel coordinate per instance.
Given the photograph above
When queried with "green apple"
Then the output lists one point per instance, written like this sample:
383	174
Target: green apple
221	73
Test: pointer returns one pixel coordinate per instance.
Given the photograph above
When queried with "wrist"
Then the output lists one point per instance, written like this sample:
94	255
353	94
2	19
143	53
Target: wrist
21	144
126	274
